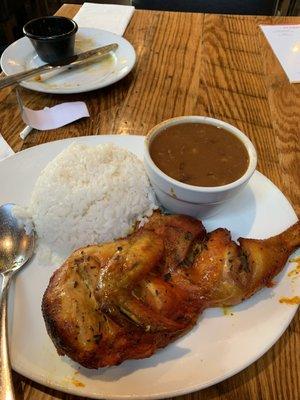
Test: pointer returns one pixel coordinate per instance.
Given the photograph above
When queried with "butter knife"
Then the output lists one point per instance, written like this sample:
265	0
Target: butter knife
77	59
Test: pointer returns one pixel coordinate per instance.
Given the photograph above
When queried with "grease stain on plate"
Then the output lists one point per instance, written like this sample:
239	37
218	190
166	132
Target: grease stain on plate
227	311
295	272
77	383
73	380
81	74
84	43
290	300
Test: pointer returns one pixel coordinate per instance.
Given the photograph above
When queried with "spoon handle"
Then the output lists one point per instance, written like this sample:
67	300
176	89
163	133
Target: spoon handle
6	385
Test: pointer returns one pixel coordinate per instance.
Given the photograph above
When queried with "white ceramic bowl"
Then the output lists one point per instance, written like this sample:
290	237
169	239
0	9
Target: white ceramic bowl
197	201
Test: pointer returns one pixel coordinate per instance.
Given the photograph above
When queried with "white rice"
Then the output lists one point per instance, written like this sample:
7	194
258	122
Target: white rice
89	195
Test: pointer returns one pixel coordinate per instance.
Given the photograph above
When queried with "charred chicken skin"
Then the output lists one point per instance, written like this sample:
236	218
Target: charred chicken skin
125	299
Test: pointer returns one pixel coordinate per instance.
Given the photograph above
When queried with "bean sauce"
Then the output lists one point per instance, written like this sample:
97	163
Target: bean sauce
199	154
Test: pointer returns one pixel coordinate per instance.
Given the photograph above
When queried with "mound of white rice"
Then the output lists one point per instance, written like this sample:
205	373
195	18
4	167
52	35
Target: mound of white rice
89	195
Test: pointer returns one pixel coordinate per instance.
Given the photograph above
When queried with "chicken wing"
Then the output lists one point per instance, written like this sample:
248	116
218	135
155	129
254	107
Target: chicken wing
126	299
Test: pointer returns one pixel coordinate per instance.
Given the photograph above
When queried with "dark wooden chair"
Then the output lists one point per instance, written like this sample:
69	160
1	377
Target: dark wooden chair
292	9
15	13
248	7
8	25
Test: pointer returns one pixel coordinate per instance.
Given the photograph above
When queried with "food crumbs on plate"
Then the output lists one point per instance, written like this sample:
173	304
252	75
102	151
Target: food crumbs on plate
38	78
296	271
295	260
77	383
290	300
227	311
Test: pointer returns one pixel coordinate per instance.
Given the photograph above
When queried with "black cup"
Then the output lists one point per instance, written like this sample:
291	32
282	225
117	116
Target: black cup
52	37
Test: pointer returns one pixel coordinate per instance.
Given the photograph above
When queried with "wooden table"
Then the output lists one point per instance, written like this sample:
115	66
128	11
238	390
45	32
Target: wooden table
214	65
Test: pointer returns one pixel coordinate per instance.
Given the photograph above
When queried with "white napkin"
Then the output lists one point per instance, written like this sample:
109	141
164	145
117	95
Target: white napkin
56	116
109	17
5	149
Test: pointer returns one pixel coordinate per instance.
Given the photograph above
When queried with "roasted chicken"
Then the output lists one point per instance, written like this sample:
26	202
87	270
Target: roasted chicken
124	300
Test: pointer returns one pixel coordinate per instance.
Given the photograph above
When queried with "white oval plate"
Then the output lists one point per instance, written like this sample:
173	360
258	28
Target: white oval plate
21	56
217	348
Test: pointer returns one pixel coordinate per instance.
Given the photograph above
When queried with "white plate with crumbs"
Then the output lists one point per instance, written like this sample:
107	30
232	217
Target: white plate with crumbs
21	56
218	347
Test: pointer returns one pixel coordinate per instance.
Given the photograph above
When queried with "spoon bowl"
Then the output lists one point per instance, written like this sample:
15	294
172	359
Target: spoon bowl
17	244
17	239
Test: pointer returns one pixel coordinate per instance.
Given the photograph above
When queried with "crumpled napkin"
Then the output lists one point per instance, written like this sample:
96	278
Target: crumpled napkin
56	116
5	149
109	17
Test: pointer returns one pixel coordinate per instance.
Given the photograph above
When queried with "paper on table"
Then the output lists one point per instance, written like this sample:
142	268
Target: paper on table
109	17
54	117
5	149
285	42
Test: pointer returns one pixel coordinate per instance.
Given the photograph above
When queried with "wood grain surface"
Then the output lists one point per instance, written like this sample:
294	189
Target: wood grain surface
214	65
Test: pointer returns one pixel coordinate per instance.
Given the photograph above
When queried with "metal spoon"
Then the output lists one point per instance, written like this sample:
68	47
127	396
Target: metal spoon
17	242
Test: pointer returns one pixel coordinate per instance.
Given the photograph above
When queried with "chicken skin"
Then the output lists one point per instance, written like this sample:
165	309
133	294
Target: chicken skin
125	299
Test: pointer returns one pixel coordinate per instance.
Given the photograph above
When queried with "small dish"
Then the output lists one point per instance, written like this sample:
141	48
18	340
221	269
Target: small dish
197	201
21	56
52	37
